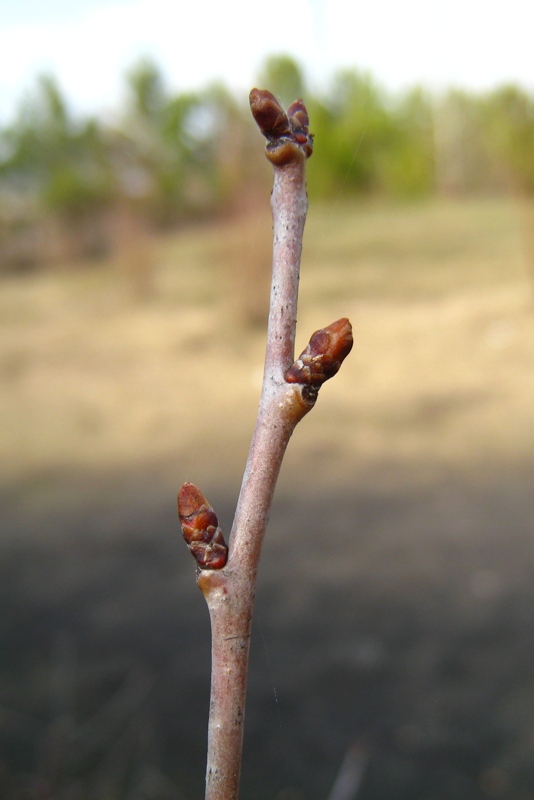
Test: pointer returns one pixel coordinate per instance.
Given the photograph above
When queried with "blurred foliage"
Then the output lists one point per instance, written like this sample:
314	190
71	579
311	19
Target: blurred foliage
282	76
172	156
509	124
368	144
166	151
53	157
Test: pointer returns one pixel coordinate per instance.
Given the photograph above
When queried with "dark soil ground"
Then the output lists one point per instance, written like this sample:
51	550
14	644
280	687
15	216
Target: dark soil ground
396	611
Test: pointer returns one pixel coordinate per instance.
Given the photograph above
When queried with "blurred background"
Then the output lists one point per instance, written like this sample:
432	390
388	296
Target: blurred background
395	604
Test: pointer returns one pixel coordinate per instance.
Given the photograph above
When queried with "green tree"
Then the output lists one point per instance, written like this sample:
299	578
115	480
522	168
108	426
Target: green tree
284	77
57	165
45	137
168	150
353	125
146	88
508	115
406	162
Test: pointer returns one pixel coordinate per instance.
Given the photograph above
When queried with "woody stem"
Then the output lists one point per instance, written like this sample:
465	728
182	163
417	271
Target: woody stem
230	592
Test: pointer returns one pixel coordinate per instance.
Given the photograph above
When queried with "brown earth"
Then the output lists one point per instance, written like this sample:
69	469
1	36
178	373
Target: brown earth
395	605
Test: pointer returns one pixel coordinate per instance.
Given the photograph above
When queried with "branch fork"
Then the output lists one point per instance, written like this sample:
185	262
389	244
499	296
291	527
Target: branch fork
227	575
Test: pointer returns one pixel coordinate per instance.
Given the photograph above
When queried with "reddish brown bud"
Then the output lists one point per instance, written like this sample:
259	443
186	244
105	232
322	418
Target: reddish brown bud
322	358
298	116
200	528
299	123
270	117
287	134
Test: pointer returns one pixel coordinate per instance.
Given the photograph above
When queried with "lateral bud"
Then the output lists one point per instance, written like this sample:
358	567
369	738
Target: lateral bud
322	358
200	528
288	136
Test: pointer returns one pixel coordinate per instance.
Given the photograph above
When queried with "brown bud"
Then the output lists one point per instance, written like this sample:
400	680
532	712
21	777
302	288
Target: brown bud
298	116
322	358
288	134
200	528
299	123
270	117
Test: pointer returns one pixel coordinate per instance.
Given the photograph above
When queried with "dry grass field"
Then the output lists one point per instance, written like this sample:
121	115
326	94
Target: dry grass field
396	598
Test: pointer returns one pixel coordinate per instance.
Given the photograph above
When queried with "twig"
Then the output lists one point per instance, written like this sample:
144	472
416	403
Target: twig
227	576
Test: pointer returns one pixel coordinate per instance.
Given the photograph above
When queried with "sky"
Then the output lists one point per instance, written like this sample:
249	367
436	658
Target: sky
90	44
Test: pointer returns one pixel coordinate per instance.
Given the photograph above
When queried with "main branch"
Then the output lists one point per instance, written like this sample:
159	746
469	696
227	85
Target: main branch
227	576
